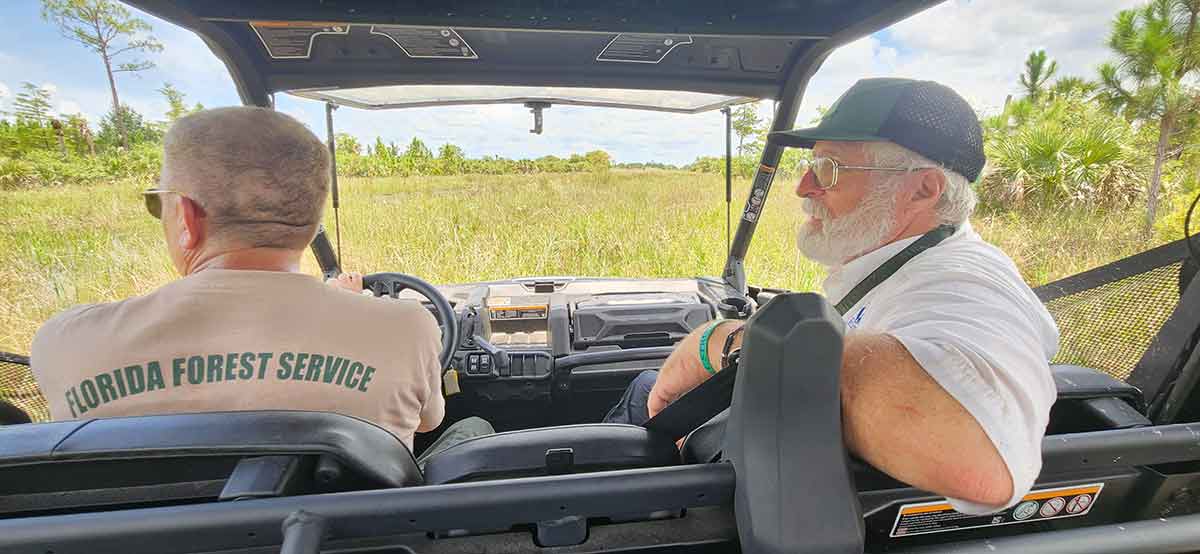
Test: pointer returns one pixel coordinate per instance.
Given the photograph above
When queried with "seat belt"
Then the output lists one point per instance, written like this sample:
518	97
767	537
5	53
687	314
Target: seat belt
712	396
696	407
892	265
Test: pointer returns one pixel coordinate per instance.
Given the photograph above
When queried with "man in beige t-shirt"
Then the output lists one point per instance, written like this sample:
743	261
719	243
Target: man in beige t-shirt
240	198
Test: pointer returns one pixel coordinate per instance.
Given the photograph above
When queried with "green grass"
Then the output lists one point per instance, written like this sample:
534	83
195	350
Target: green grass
77	244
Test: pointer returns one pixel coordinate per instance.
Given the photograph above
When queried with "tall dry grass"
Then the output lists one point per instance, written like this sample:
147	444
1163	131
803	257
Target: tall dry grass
80	244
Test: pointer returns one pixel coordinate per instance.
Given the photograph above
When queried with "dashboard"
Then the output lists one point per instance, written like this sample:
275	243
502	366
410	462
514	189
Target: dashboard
567	338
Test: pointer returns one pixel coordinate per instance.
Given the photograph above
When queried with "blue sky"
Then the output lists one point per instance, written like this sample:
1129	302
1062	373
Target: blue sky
977	47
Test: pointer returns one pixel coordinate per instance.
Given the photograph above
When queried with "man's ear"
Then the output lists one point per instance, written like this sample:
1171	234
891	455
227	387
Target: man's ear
927	188
192	224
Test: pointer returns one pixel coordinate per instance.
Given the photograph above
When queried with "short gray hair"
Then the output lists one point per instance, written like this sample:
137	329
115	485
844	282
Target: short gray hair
260	175
958	199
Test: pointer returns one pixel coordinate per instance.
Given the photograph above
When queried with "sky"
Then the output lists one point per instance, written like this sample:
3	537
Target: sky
976	47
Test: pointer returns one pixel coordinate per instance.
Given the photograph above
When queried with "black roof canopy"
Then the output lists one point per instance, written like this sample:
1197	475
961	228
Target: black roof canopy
708	46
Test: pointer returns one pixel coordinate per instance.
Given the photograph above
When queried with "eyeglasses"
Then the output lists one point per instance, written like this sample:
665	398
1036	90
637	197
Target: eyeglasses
826	170
153	199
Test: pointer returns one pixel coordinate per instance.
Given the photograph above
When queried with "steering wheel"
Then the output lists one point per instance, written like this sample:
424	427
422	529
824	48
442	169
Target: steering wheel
391	284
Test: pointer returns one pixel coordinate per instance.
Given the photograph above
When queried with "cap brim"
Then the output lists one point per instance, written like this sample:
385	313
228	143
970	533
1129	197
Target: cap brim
805	138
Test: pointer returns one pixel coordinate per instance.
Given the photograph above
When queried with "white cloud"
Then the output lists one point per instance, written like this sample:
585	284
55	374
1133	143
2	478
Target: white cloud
67	107
190	65
4	92
977	48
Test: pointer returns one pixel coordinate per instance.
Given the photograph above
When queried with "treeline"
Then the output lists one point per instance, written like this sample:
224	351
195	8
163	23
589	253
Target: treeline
41	148
387	160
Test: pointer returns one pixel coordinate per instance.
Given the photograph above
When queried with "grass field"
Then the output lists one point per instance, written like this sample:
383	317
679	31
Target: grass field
63	246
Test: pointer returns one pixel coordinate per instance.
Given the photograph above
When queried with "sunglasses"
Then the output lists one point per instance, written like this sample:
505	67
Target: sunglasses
153	198
826	170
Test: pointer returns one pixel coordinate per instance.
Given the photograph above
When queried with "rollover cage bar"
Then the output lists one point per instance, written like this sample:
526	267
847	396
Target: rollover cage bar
484	505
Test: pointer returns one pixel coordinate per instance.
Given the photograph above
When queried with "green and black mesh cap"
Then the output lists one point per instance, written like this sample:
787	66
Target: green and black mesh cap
923	116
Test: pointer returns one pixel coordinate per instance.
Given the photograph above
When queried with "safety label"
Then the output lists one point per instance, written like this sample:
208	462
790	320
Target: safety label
938	517
641	48
427	42
758	193
288	39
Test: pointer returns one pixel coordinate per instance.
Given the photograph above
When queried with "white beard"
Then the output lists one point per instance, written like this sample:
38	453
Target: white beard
839	239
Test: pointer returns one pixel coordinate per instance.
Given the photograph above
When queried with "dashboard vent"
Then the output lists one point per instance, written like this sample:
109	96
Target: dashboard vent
527	364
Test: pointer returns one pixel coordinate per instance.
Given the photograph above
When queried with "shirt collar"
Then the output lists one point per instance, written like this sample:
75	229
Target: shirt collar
842	279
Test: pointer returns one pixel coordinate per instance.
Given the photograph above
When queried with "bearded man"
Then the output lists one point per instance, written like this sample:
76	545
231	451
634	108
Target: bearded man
945	373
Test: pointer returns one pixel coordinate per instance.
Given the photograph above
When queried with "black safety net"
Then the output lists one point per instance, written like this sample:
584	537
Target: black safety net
1108	316
18	388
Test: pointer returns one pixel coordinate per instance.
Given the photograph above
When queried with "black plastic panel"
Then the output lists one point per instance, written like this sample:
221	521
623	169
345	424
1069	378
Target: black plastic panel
603	321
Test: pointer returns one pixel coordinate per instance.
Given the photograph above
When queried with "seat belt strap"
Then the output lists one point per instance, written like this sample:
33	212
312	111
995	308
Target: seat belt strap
695	407
892	265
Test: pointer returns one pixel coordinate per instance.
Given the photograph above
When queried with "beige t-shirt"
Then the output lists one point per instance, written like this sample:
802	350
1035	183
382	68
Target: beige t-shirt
245	340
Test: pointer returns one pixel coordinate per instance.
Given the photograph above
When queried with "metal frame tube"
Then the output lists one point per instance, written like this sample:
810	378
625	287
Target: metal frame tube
333	178
485	505
728	174
802	69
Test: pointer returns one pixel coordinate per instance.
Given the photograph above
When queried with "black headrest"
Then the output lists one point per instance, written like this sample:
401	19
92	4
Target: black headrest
592	447
361	446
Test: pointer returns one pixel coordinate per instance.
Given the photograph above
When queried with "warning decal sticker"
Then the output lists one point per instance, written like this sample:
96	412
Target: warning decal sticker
938	517
641	48
294	40
427	42
758	193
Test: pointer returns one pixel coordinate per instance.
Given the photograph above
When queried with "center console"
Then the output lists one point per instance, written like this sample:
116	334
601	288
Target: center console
563	351
511	331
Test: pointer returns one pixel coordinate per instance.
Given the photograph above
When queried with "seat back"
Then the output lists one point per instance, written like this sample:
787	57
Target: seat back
183	458
784	439
18	388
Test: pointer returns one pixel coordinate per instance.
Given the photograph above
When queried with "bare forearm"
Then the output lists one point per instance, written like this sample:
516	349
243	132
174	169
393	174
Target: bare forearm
898	419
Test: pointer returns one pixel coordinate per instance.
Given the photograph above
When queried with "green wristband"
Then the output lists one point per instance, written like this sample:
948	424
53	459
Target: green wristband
707	334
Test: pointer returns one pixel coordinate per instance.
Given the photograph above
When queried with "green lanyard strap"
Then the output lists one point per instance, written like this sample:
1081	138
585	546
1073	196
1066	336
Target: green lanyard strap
892	265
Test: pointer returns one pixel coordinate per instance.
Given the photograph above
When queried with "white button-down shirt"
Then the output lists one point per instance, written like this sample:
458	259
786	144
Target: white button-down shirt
964	313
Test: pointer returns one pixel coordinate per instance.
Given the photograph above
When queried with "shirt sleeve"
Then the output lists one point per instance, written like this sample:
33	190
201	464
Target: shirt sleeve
987	342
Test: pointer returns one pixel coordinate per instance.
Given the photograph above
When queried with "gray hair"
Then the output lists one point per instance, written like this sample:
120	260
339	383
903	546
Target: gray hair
260	175
958	198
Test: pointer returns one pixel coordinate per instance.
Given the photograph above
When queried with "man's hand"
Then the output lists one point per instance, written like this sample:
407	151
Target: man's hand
352	282
683	370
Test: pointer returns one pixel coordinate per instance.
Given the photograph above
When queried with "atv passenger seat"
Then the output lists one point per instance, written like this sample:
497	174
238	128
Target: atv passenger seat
137	461
550	451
